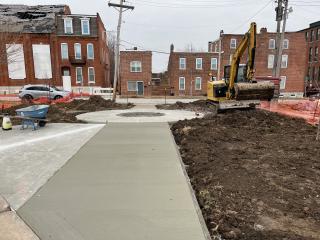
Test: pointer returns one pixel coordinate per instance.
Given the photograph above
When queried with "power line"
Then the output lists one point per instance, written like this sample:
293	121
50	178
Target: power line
145	49
256	14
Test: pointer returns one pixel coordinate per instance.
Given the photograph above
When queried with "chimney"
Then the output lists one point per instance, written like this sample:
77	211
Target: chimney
171	48
263	30
135	48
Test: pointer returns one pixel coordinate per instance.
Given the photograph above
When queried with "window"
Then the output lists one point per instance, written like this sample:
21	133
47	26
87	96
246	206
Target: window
15	60
132	86
272	44
233	43
64	51
284	61
283	80
90	51
310	54
42	61
198	63
182	83
307	35
79	76
286	44
197	85
182	63
68	28
270	61
313	73
311	36
77	50
318	33
91	75
135	66
214	63
85	26
319	74
316	53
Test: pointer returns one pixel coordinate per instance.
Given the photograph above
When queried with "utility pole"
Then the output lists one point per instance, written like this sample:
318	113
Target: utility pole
279	17
285	17
220	53
121	7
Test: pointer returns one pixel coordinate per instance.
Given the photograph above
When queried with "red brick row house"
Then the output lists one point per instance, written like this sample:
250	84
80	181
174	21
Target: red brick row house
189	72
312	60
292	64
135	73
49	45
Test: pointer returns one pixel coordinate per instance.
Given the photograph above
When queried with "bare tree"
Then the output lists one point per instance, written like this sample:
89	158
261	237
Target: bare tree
112	46
191	48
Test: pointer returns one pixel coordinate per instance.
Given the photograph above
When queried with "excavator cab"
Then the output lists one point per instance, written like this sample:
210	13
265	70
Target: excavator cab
238	89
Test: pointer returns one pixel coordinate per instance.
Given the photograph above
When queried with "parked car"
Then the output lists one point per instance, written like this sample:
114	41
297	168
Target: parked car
30	92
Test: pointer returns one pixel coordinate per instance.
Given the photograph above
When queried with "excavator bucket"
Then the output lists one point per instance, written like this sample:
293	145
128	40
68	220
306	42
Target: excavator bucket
254	91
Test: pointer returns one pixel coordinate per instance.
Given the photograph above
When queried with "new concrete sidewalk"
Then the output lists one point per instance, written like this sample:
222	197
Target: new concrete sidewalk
126	183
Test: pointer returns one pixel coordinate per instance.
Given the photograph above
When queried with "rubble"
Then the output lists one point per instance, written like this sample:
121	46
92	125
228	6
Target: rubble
29	19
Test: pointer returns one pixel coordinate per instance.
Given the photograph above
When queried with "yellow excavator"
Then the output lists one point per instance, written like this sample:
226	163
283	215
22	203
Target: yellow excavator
238	89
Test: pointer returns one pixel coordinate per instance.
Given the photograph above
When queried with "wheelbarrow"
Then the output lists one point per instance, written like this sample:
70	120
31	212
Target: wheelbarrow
34	116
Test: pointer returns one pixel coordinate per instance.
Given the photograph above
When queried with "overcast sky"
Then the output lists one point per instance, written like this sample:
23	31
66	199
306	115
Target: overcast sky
155	24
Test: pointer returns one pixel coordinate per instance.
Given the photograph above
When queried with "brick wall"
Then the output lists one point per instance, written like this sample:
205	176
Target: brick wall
100	62
145	76
294	73
190	73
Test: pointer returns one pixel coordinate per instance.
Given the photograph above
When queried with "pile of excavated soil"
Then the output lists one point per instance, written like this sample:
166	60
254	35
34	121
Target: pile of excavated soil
67	112
55	115
197	106
95	103
256	174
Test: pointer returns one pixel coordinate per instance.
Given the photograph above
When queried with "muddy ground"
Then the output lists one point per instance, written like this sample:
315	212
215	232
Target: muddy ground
256	174
67	112
197	106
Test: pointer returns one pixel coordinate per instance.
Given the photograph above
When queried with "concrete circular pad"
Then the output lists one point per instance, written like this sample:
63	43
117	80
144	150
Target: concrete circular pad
138	115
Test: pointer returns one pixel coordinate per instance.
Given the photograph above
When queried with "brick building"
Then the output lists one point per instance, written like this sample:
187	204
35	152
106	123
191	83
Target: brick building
312	63
293	58
189	72
136	73
49	45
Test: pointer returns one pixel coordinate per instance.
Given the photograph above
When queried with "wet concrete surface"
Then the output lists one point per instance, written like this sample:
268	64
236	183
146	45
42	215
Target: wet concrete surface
126	183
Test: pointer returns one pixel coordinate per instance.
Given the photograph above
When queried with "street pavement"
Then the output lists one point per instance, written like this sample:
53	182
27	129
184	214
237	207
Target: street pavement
126	183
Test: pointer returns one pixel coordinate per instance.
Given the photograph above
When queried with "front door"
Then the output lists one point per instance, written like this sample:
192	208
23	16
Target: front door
140	87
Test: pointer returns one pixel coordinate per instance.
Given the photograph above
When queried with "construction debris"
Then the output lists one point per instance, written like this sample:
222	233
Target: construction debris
29	19
255	173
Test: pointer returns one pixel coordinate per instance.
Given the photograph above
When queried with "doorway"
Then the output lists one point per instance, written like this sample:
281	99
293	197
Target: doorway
140	88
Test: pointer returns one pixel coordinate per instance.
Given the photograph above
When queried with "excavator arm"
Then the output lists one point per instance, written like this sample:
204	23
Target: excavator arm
248	42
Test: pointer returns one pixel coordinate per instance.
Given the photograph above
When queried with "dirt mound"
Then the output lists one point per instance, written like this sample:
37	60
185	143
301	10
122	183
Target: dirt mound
67	112
55	115
256	174
95	103
197	106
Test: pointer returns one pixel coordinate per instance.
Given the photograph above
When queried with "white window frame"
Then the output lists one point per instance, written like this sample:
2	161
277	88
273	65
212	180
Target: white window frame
195	83
284	58
200	63
233	43
215	65
272	43
135	65
271	62
88	56
75	50
85	20
136	84
214	78
182	66
184	83
94	75
65	20
64	54
283	81
286	44
78	75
